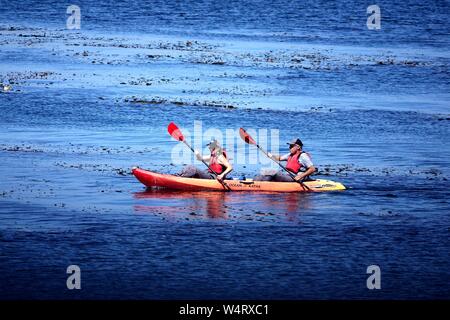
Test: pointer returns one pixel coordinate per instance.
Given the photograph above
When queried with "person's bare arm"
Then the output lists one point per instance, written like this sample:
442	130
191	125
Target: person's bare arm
223	161
305	174
200	157
275	157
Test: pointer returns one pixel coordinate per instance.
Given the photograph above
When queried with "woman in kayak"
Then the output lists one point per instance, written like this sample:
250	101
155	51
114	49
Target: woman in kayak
298	162
217	162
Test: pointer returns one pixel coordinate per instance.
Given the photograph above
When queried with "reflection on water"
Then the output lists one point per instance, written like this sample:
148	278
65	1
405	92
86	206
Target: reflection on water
223	205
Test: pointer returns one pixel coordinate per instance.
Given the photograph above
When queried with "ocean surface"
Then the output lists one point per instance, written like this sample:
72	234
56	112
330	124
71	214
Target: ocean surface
85	106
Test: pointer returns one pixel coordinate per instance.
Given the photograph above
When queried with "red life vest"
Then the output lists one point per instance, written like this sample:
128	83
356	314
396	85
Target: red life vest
293	164
214	165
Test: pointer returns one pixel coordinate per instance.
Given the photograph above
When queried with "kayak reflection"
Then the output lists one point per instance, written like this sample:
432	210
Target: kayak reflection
183	204
223	205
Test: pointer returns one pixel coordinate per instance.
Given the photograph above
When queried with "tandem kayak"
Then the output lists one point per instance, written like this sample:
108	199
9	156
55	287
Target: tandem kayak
158	180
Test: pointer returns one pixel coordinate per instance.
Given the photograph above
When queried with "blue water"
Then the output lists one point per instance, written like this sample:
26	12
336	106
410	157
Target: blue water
404	23
372	107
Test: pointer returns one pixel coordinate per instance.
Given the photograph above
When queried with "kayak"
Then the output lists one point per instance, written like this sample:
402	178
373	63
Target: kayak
158	180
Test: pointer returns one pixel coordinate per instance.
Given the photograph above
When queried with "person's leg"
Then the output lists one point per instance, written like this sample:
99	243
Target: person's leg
263	178
266	174
204	174
282	177
190	171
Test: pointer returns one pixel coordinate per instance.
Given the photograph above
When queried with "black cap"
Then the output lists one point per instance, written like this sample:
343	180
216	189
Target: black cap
297	142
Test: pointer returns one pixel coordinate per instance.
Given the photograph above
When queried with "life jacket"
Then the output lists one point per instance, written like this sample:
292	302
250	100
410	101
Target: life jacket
293	164
214	164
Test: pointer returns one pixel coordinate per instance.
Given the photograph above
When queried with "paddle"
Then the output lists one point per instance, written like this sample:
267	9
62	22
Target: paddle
175	132
248	139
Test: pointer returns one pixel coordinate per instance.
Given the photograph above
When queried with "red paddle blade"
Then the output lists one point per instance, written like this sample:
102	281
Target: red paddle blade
246	137
175	132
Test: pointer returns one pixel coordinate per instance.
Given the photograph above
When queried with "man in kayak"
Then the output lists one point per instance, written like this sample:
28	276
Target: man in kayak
298	162
218	163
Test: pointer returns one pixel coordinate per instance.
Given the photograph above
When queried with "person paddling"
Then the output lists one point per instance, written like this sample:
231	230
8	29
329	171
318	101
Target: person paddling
218	163
298	162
